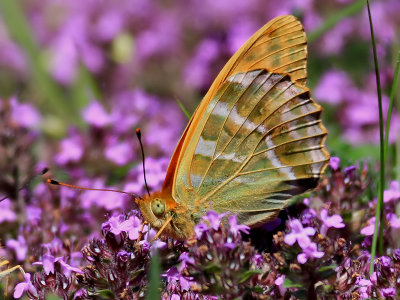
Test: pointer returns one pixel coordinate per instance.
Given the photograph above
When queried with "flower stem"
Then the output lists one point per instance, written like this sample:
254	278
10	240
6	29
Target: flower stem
379	208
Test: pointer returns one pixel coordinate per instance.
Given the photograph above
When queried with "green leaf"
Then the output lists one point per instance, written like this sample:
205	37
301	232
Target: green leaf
212	268
248	274
288	283
326	271
107	294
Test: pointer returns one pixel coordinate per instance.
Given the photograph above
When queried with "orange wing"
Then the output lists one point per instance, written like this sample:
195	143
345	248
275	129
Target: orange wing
280	46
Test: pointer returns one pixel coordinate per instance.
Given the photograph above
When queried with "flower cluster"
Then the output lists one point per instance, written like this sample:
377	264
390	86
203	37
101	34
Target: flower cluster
218	262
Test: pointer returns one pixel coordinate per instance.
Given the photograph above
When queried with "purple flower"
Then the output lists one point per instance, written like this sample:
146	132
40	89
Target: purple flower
393	220
19	246
132	226
185	260
47	263
309	252
213	219
334	163
335	221
370	228
299	234
71	151
393	193
119	153
279	282
173	274
388	292
365	285
333	87
67	268
6	212
95	115
25	286
235	228
199	229
24	114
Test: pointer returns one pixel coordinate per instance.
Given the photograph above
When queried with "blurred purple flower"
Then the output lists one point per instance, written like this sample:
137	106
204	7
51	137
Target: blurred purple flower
119	153
393	220
393	193
7	213
309	252
334	163
33	213
19	246
333	87
335	221
197	71
389	292
24	114
94	114
25	286
334	41
299	234
71	151
370	228
279	282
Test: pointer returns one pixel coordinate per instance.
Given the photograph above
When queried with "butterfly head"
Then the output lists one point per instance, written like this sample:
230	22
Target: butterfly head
157	208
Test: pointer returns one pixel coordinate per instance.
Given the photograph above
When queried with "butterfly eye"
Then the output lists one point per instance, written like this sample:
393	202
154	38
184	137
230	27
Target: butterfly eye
158	207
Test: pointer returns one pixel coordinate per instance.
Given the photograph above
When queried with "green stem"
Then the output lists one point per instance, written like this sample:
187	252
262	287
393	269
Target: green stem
379	208
392	94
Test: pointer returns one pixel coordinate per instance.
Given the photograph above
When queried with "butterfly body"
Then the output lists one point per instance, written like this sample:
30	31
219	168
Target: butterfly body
255	140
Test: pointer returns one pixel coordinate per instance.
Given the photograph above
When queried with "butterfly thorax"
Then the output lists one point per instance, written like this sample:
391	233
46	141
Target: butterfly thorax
158	207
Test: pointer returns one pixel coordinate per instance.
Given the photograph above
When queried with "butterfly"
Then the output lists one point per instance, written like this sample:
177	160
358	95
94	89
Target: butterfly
255	140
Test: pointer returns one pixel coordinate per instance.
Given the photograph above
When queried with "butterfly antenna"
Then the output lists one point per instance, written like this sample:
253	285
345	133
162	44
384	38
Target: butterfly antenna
44	171
55	182
139	136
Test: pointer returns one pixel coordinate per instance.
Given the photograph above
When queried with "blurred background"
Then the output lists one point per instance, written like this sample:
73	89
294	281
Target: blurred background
78	77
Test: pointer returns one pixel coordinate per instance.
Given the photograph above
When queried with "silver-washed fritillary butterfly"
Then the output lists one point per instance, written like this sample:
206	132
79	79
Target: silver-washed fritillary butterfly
255	140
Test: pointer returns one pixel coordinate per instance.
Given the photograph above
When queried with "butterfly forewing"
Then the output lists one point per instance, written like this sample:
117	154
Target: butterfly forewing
279	46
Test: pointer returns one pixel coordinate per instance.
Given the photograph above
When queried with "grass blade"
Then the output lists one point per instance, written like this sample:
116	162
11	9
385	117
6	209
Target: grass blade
183	108
19	29
378	232
392	94
334	19
154	280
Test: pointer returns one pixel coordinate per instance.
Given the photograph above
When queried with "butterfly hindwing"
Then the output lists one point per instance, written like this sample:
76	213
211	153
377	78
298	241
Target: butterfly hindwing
262	142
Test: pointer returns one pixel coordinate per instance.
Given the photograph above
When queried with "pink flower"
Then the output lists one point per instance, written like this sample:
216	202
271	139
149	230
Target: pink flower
95	115
393	220
25	286
370	228
299	234
393	193
309	252
334	163
332	221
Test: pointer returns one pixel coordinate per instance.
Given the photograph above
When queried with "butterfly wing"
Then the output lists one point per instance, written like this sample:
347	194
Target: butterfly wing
256	139
279	46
